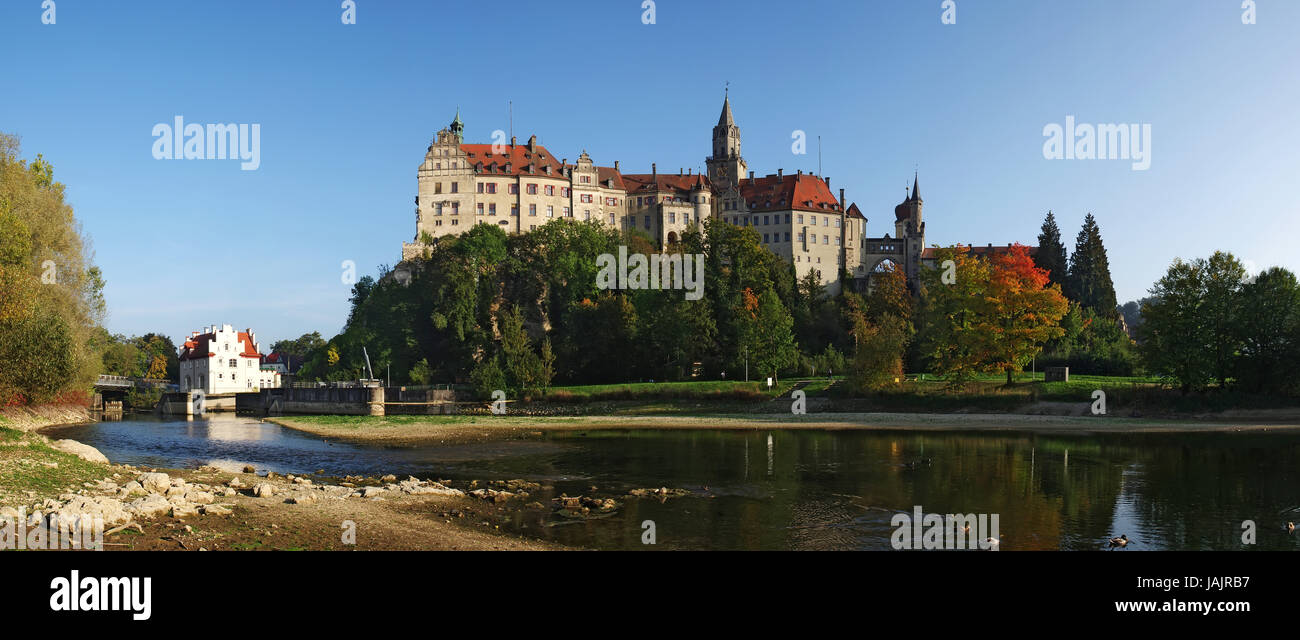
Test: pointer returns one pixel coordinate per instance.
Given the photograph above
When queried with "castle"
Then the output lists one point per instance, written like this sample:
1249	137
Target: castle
797	217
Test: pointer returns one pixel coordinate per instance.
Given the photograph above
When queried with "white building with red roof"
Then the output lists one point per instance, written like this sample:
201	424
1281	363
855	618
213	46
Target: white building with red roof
222	360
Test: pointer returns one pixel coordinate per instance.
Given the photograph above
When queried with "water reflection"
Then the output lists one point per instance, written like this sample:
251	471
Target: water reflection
813	489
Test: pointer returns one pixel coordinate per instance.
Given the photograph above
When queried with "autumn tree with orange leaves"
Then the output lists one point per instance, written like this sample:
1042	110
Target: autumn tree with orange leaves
1025	312
988	315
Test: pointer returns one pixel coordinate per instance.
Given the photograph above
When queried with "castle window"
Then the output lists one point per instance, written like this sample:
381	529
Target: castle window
567	213
455	187
480	208
492	187
787	218
672	217
800	218
504	222
532	189
564	192
481	187
586	179
514	189
492	209
550	211
765	238
765	222
647	222
514	209
550	190
455	208
787	236
532	209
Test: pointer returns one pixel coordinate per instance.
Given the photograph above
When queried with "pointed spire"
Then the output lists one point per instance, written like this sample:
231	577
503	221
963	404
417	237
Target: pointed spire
457	127
916	190
725	120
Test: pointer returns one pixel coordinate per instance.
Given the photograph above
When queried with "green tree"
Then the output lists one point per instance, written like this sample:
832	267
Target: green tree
50	295
1051	252
1220	311
522	366
1174	338
951	314
768	332
1089	274
1269	332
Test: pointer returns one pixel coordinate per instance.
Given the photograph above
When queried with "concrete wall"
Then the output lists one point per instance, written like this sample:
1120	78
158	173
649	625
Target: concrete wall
353	401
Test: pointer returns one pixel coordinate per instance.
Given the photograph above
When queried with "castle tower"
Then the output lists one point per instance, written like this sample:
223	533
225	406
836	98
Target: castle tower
726	166
457	128
909	229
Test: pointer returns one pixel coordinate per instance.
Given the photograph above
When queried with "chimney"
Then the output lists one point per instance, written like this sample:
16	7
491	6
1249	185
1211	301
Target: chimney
801	172
679	171
751	175
513	142
532	143
688	171
843	204
828	182
780	175
616	165
654	171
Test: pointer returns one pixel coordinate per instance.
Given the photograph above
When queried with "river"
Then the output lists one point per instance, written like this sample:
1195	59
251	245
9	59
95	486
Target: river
803	489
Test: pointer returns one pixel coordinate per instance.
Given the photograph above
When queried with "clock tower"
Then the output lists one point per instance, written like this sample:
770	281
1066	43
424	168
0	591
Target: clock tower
726	167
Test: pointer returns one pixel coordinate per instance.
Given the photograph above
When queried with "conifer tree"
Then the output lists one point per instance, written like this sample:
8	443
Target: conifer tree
1051	252
1089	281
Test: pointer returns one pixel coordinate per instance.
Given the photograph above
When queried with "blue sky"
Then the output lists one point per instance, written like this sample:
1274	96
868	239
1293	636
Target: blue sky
346	112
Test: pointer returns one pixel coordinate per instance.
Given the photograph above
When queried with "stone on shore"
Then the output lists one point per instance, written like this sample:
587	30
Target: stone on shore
184	510
264	490
155	482
149	506
83	451
112	511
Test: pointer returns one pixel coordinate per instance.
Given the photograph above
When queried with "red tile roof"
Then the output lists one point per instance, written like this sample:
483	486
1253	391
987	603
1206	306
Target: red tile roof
854	212
199	347
651	182
605	173
517	156
803	192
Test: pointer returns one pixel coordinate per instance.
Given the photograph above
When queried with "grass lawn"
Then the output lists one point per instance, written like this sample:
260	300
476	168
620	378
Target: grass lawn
915	393
27	463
